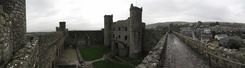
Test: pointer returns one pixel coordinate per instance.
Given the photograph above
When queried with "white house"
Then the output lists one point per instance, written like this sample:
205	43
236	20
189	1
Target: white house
220	36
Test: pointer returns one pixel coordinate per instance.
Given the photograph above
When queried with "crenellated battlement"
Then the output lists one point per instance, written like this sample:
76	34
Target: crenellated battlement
132	7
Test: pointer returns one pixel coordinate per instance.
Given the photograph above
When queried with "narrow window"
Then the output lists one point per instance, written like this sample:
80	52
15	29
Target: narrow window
126	37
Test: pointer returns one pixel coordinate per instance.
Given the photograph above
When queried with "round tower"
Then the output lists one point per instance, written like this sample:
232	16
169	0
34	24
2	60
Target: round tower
136	32
16	9
6	49
108	20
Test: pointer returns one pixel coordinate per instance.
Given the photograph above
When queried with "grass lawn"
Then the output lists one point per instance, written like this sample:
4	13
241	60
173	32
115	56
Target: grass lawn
108	64
93	53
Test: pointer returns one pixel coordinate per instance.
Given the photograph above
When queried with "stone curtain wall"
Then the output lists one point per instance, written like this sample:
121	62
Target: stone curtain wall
155	58
51	47
41	51
85	38
16	9
151	38
217	57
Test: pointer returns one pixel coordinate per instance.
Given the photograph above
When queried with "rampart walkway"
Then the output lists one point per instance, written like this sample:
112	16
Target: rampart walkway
69	58
178	55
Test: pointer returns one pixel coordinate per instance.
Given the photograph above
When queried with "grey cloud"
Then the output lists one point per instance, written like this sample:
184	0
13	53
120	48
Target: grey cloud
44	11
193	9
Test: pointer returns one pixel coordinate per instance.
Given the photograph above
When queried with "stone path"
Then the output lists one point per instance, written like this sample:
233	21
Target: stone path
69	57
179	55
89	64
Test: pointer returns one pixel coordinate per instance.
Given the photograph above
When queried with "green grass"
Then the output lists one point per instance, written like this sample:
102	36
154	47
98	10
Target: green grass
93	53
109	64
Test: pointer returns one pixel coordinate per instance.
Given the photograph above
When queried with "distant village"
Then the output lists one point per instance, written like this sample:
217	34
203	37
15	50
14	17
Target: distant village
223	34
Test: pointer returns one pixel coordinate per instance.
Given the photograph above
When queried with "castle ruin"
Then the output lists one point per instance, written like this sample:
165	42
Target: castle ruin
18	49
125	36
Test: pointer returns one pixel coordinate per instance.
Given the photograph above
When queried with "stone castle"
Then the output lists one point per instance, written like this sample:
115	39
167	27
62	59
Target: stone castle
125	36
19	49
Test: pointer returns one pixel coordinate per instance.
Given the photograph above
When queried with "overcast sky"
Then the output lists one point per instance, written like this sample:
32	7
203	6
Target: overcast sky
44	15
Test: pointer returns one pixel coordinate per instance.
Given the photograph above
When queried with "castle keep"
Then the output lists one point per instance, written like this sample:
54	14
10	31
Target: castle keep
125	36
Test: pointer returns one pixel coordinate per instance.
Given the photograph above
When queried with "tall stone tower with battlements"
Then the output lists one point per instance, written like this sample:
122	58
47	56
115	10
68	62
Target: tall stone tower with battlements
108	20
62	26
125	36
136	31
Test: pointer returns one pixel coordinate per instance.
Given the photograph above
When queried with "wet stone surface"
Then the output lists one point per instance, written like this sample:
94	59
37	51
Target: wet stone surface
179	55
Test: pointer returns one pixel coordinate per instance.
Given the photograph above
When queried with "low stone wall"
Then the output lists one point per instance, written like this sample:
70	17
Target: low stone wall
41	51
155	57
79	56
217	57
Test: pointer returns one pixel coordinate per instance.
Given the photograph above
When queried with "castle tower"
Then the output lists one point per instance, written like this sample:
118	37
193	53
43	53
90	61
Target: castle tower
6	48
62	26
16	9
57	28
136	32
108	20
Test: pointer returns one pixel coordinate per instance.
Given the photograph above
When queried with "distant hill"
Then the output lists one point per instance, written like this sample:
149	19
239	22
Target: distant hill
163	24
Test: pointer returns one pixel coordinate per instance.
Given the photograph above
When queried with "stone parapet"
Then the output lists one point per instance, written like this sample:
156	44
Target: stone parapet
155	57
217	57
41	51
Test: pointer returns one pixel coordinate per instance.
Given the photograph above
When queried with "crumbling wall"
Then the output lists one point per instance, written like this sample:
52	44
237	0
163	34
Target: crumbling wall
41	51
